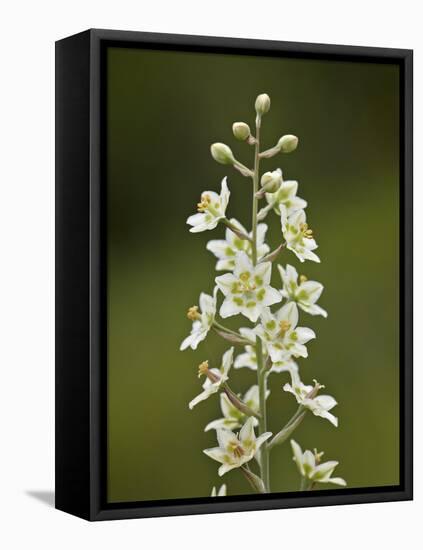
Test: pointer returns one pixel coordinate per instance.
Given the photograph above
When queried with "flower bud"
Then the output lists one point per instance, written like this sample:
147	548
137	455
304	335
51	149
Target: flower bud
222	153
262	104
241	130
288	143
271	181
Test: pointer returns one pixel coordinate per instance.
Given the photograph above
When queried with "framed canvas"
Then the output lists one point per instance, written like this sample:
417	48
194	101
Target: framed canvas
240	210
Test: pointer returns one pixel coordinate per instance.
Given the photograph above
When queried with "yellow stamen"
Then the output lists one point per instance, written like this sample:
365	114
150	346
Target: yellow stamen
307	233
203	368
193	313
244	285
284	326
318	456
205	201
303	279
236	449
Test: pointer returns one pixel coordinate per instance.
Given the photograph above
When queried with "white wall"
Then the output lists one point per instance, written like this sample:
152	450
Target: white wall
27	37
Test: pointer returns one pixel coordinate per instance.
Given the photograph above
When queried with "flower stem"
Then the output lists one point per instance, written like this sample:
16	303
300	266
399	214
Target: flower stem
261	372
288	429
235	230
255	189
306	484
255	482
238	403
229	331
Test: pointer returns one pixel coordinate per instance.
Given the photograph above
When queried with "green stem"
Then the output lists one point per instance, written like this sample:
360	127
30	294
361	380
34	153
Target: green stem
306	484
261	372
255	189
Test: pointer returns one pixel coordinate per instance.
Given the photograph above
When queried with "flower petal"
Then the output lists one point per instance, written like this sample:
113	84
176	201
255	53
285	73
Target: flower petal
337	481
262	438
225	282
226	438
218	248
298	456
216	453
222	424
304	334
288	312
229	308
203	396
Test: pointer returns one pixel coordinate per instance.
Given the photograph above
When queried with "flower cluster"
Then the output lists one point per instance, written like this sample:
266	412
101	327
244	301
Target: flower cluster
275	340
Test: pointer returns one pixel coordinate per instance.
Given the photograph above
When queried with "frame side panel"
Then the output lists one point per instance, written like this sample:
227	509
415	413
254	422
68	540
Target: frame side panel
72	275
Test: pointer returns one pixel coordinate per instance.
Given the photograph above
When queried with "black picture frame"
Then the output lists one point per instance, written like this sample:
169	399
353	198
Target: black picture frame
81	464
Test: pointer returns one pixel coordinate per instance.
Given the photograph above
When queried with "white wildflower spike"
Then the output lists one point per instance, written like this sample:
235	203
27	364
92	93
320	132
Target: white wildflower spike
220	493
226	250
281	335
248	289
202	320
319	405
232	417
236	450
285	197
298	236
211	209
304	294
273	342
311	468
216	378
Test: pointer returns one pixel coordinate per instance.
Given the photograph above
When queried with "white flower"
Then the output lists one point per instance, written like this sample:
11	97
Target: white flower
202	322
247	290
216	378
220	493
309	466
319	405
304	294
227	250
281	335
285	198
232	417
211	209
235	450
248	359
271	181
298	236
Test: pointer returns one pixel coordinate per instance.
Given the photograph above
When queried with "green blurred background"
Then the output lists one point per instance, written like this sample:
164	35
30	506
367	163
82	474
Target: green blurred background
164	111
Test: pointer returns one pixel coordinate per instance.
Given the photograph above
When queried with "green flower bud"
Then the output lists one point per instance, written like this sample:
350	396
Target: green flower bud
222	153
288	143
241	130
271	181
262	104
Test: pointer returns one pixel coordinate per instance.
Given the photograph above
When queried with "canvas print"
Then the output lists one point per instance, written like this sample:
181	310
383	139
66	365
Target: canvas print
252	275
